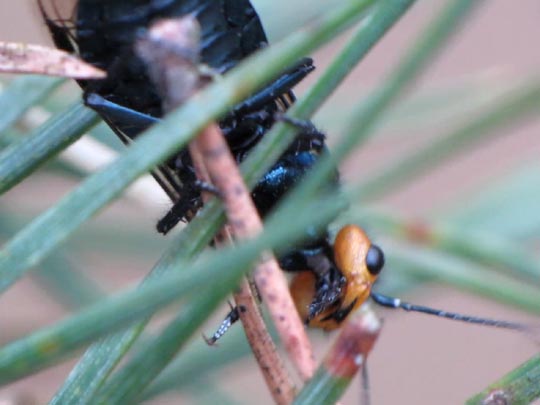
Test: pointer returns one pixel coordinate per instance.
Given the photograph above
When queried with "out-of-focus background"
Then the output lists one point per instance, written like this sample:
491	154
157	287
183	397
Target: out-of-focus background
418	359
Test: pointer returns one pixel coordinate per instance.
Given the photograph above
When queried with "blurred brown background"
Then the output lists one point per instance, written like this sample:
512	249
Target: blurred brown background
417	360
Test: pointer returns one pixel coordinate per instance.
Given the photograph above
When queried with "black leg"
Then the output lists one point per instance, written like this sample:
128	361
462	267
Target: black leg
131	122
307	128
232	317
189	200
177	213
282	85
207	187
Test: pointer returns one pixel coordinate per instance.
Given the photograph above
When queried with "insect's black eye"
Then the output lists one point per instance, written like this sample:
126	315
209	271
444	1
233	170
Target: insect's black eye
374	260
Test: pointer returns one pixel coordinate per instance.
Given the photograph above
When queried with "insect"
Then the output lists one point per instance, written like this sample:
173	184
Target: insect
332	279
103	33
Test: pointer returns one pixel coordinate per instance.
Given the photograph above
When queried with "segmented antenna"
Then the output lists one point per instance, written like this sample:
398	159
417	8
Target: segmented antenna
396	303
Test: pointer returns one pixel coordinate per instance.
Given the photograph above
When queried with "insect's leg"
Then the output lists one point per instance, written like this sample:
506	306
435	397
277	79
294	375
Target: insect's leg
232	317
395	303
176	214
275	89
188	201
207	187
306	127
124	117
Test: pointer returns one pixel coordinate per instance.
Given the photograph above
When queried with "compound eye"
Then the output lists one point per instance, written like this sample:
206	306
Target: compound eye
374	260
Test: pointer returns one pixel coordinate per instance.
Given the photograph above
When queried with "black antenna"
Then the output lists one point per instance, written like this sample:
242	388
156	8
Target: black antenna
395	303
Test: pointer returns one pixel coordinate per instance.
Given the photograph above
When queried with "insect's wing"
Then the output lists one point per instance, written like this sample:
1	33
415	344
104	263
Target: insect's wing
126	124
58	16
61	18
102	33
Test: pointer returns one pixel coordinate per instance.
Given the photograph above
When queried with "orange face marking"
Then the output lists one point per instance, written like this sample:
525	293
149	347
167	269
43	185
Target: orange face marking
303	290
350	251
351	248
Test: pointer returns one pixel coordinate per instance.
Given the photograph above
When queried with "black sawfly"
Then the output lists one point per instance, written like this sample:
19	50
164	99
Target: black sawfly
332	278
102	33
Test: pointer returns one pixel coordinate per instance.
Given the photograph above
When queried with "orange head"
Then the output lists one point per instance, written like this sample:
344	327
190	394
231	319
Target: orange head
358	261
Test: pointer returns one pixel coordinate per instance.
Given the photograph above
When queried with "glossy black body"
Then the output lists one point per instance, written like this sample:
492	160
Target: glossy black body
103	32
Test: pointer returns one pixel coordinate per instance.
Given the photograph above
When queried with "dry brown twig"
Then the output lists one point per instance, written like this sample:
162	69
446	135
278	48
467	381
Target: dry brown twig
262	345
169	52
353	344
344	359
37	59
245	222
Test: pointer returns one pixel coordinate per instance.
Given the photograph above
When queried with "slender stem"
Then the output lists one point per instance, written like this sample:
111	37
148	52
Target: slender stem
519	387
22	157
245	223
207	167
513	108
363	122
346	356
23	93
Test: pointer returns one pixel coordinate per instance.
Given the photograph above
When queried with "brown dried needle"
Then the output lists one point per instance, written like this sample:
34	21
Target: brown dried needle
171	51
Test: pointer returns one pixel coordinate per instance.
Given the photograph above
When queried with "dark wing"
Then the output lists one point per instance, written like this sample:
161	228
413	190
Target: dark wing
102	33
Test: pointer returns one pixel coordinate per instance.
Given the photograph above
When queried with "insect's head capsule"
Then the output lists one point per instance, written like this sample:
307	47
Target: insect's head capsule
358	261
